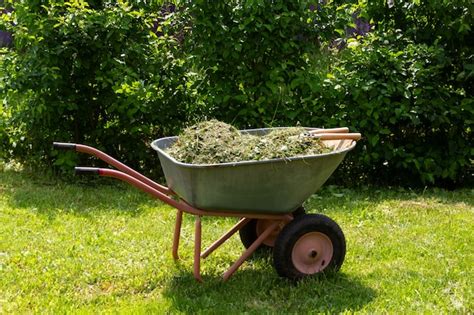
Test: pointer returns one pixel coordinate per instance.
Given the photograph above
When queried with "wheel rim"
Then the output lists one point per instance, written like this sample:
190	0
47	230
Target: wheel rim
312	253
262	225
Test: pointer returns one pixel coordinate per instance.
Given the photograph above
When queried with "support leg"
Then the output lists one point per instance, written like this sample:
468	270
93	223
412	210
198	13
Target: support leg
250	250
225	237
177	234
197	249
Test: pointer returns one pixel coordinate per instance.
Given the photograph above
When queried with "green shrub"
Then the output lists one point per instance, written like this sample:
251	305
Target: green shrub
252	56
95	75
417	125
267	64
4	115
410	89
4	139
447	24
117	75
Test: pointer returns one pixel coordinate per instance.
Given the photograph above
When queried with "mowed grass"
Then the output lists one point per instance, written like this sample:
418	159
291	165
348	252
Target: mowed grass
89	248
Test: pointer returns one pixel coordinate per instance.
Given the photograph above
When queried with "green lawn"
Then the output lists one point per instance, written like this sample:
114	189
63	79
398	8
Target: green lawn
107	248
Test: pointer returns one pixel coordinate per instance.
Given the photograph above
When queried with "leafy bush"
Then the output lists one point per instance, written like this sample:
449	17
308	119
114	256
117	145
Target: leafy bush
96	75
253	55
447	24
117	75
410	90
265	64
417	125
4	139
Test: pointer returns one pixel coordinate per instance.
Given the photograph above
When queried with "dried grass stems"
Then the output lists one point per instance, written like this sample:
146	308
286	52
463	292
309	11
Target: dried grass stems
212	142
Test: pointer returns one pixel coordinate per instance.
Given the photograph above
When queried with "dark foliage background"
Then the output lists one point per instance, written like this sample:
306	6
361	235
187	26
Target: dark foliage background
117	75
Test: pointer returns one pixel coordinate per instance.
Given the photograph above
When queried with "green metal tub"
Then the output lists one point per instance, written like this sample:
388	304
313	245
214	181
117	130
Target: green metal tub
270	186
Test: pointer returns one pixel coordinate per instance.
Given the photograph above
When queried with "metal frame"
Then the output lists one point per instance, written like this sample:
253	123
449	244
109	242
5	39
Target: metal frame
166	195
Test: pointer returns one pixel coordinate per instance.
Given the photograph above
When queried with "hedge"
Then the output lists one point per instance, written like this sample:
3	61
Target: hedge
117	75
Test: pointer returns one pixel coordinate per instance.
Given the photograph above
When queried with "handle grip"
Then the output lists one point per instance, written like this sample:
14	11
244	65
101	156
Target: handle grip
64	146
329	130
337	136
86	170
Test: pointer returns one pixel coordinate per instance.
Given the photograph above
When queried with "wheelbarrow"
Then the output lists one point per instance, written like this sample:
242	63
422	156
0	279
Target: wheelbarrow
267	197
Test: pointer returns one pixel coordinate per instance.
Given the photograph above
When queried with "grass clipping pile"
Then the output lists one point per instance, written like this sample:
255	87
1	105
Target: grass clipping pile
213	142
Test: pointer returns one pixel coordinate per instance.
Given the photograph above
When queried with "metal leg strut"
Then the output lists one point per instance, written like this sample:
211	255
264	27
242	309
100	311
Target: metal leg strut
225	237
197	249
177	234
250	250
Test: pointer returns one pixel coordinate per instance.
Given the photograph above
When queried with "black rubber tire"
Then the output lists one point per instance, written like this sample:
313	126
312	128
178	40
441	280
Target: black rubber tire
248	234
299	211
301	225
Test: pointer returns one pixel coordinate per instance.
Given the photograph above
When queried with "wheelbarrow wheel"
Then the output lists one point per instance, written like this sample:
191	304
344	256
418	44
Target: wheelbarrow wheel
310	244
252	230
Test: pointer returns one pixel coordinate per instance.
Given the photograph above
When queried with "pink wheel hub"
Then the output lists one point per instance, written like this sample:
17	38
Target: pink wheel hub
312	253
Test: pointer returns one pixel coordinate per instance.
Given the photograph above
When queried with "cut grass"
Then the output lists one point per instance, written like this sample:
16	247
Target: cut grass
107	248
213	141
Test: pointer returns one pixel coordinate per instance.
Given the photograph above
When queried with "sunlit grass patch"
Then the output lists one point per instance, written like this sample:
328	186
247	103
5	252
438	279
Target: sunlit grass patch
107	248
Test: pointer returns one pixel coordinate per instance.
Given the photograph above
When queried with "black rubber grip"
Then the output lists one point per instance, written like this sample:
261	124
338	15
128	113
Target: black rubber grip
86	170
64	146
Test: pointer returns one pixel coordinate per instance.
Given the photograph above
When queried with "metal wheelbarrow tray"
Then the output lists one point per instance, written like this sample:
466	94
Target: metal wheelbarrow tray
268	186
266	196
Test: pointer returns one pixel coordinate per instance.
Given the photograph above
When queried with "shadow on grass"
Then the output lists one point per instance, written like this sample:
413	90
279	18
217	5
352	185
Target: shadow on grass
50	197
262	291
337	198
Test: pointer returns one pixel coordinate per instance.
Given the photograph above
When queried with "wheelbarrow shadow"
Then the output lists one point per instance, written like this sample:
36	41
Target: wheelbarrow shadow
262	291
